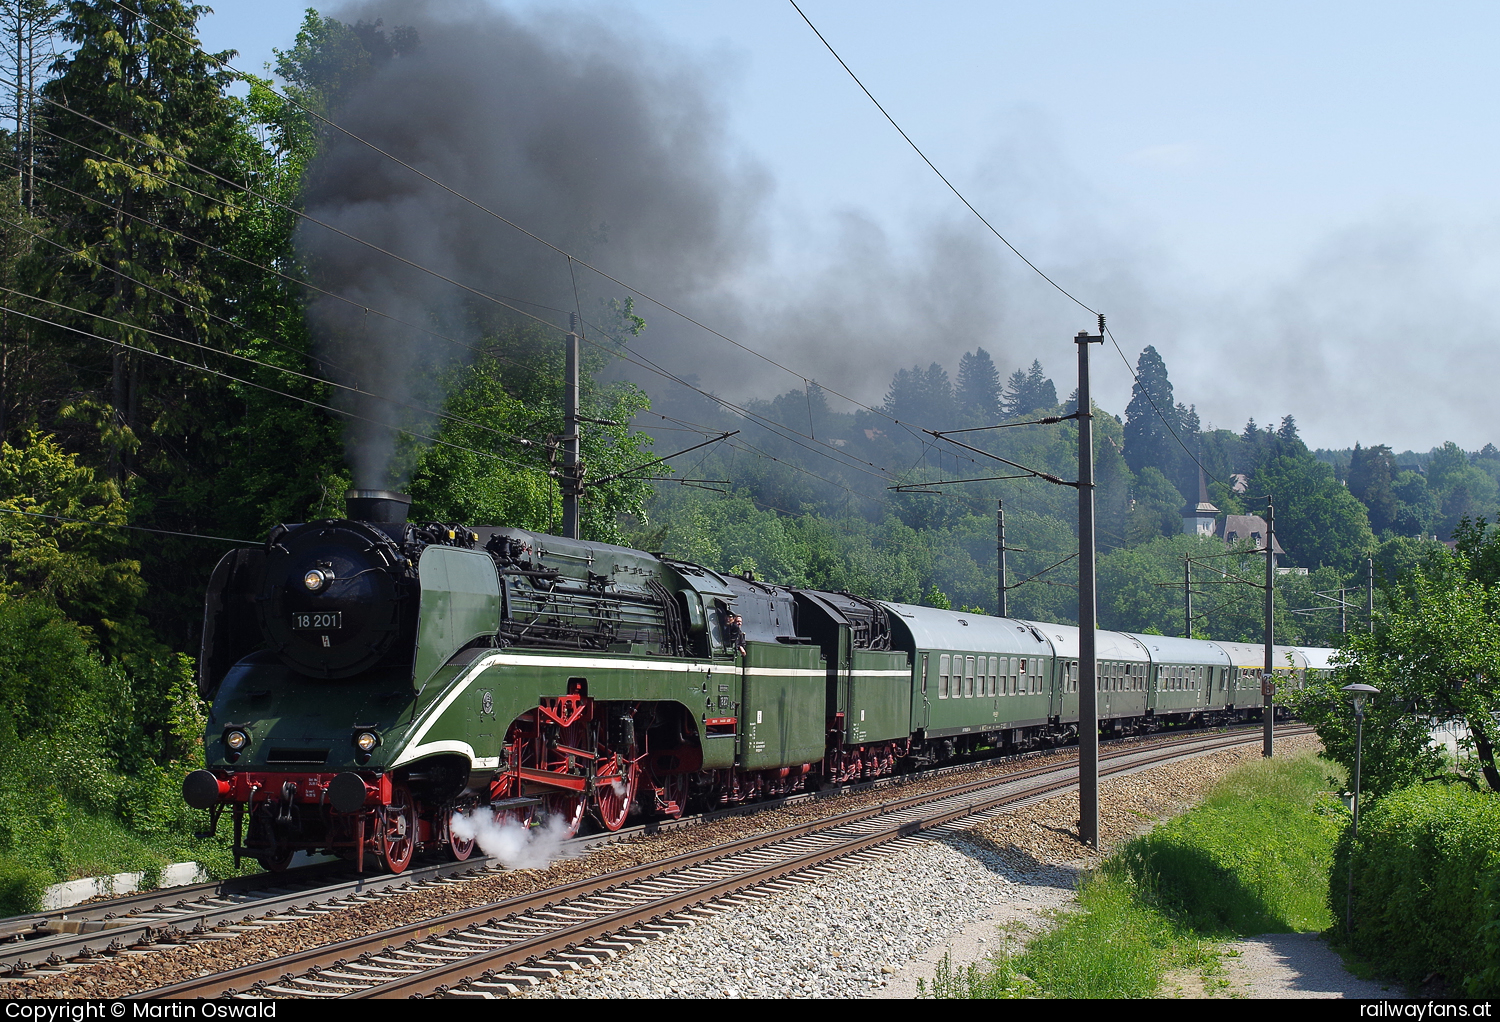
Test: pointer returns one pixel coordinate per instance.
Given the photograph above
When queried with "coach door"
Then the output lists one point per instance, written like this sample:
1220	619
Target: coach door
921	707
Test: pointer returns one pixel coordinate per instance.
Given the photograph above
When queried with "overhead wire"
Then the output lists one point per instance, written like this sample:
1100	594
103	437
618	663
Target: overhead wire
572	259
308	285
263	83
260	386
941	176
970	206
481	293
448	416
487	295
133	528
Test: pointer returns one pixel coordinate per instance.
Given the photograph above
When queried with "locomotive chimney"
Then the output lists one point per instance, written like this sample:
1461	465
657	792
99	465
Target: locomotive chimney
384	506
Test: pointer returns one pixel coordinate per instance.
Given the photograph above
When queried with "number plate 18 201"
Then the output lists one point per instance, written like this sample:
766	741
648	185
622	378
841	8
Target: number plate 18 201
317	621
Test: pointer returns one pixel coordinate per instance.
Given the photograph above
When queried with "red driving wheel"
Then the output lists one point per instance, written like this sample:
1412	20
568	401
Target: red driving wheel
459	848
613	795
398	829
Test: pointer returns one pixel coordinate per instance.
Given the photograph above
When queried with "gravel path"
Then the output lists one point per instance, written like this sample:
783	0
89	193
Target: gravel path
1276	965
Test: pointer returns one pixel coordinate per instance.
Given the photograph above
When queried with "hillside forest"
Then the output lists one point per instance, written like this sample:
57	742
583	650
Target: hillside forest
162	398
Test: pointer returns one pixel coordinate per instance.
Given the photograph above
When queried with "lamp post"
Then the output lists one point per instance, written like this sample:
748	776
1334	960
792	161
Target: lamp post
1360	694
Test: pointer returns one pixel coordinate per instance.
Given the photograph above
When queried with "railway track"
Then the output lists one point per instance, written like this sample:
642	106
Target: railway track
47	941
497	948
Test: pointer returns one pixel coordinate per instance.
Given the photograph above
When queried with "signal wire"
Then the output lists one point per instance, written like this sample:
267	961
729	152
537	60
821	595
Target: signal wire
666	374
274	202
278	273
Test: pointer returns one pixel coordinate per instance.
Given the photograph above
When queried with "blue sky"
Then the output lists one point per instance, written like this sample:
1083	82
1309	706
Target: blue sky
1295	203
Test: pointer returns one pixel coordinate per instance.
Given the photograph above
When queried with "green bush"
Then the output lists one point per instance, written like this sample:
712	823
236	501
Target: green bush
1427	872
21	887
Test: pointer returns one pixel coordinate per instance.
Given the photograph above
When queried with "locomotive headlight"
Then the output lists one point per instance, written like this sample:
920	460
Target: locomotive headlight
366	741
317	580
236	740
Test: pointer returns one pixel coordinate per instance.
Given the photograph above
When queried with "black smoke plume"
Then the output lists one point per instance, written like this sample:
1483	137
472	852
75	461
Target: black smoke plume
563	125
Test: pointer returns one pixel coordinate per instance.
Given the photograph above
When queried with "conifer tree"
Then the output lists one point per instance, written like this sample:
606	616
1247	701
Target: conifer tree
920	395
137	102
1371	472
1029	390
978	387
1151	419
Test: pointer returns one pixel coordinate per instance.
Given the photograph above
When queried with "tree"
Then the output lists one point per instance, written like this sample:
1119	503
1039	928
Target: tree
1371	472
1416	507
27	35
60	540
921	396
1434	656
1028	392
142	106
978	387
1156	508
1318	521
1152	425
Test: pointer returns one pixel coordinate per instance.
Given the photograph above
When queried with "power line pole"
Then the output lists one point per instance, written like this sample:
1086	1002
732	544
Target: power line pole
1000	549
1088	705
570	479
1267	685
1370	593
1187	597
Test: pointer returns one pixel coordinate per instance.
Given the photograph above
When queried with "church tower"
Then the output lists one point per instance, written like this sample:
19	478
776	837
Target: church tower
1198	519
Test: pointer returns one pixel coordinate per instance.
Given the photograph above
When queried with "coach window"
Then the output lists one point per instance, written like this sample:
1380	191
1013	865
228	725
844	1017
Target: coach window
943	676
994	675
968	677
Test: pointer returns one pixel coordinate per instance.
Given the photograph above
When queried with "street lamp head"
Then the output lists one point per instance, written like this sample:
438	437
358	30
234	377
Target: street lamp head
1360	693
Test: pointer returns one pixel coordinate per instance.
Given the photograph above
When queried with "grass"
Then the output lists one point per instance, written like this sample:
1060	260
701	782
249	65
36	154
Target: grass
92	843
1253	857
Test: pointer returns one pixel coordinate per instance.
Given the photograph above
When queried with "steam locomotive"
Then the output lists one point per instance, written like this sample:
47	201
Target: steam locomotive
371	680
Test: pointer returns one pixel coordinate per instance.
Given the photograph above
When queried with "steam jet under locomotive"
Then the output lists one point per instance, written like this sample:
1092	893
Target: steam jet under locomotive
371	678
